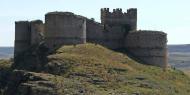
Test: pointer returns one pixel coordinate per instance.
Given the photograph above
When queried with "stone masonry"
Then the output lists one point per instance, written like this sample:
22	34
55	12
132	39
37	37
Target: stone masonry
148	46
117	30
22	37
64	28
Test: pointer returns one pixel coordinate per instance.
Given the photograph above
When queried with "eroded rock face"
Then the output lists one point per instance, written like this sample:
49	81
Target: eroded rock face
32	60
29	83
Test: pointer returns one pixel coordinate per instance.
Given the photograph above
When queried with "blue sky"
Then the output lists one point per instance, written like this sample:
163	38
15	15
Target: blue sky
170	16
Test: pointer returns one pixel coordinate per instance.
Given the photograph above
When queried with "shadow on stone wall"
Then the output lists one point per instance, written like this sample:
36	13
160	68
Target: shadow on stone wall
33	59
129	54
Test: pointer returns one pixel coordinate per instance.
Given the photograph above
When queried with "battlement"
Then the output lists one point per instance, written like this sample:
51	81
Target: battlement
132	13
119	18
118	14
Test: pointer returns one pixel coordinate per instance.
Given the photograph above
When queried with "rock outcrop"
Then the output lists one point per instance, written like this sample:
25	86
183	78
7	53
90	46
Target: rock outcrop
30	83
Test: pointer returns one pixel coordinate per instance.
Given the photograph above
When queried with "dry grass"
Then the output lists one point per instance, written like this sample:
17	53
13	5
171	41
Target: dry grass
91	64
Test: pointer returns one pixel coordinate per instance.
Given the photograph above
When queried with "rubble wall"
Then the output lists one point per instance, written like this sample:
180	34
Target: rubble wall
110	37
150	47
64	28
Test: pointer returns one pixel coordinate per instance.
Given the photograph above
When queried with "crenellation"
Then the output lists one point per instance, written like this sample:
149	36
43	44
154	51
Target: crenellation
119	18
132	13
117	30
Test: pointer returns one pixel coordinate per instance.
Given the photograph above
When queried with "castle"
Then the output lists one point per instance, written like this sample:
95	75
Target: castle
117	30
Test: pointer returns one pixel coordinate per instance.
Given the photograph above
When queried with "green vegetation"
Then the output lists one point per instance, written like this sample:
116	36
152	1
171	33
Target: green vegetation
94	70
5	64
5	68
106	71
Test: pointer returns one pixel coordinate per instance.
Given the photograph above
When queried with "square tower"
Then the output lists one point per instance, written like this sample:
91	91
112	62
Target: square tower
127	19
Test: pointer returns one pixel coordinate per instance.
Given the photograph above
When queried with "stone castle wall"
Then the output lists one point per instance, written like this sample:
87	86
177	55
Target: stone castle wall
94	33
110	37
114	37
37	31
27	34
116	26
117	31
148	46
22	36
117	17
64	28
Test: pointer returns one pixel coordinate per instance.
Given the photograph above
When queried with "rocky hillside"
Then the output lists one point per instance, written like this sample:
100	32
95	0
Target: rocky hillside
90	69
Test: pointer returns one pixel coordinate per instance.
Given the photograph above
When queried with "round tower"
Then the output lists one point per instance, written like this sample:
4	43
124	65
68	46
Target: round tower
37	30
150	47
64	28
22	37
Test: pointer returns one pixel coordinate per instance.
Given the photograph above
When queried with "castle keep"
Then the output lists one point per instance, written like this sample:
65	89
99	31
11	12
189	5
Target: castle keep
117	30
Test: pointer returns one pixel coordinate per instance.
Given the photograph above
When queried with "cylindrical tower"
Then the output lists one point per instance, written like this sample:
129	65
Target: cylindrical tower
64	28
150	47
22	37
37	30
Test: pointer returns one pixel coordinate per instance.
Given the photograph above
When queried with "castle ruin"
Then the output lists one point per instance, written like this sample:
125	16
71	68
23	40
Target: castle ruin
117	30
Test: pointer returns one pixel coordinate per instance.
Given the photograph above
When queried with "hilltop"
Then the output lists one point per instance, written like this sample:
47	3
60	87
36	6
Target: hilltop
93	69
